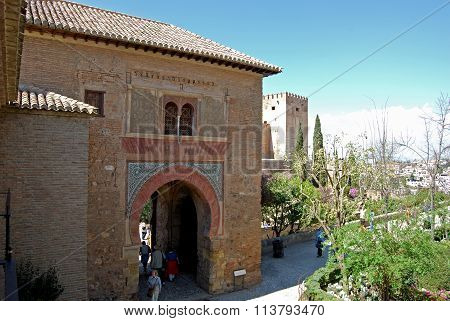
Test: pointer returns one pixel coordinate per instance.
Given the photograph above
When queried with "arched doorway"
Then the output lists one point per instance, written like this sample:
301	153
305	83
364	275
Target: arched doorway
187	217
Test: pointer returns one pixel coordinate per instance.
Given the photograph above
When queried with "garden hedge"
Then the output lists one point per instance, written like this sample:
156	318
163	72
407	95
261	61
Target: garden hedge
318	280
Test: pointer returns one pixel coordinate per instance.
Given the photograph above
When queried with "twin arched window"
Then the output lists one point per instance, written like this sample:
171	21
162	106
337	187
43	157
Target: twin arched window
185	123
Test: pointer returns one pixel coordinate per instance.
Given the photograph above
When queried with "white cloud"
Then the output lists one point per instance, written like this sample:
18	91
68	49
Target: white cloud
401	121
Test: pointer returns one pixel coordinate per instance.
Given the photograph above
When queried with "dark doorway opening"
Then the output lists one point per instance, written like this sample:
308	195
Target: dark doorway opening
187	247
174	224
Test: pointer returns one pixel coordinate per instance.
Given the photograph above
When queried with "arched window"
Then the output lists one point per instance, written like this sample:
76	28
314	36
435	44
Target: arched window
170	119
186	120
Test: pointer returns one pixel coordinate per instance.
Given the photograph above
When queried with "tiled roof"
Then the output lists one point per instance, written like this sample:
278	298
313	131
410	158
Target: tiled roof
35	98
86	20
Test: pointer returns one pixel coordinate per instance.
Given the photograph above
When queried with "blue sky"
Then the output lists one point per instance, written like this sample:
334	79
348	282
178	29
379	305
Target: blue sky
316	40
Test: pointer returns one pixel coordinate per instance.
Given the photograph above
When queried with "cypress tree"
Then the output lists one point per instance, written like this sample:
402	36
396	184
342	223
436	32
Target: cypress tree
299	142
319	166
300	157
318	137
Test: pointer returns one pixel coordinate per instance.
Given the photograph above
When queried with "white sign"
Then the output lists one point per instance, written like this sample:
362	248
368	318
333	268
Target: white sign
240	272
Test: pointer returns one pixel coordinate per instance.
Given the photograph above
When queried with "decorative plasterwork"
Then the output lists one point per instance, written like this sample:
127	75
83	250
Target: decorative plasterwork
140	172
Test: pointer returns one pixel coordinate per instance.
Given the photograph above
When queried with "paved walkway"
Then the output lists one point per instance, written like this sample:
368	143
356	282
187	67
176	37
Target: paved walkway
280	279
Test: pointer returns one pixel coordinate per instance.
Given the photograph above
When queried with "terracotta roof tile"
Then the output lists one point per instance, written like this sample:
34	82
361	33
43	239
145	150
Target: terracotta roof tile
39	99
78	18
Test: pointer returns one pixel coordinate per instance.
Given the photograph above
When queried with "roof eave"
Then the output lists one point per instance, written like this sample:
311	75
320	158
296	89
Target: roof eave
265	70
13	20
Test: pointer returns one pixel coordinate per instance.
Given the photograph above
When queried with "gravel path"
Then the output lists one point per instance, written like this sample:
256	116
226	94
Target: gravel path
280	278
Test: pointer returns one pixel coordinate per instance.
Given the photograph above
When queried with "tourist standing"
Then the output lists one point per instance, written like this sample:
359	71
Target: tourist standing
143	232
154	286
319	242
157	259
144	251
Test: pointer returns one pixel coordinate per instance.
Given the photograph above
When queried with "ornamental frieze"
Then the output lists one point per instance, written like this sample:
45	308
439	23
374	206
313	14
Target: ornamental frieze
141	172
156	75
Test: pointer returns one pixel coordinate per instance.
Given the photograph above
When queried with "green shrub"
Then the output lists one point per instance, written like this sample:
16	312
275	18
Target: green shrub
378	206
393	264
35	285
317	282
441	232
422	199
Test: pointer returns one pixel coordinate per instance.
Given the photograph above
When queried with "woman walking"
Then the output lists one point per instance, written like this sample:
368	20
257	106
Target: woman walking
172	265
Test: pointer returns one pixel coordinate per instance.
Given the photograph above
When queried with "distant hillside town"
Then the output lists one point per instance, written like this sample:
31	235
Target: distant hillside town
417	176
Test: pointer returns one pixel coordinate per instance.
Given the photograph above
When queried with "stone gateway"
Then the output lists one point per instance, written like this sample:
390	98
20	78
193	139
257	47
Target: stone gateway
116	112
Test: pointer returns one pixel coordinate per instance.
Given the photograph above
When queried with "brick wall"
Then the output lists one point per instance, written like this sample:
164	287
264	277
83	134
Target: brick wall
44	161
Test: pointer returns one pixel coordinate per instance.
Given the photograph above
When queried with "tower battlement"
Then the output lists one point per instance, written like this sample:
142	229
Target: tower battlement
284	94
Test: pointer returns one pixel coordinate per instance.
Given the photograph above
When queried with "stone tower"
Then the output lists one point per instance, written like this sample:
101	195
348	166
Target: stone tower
284	112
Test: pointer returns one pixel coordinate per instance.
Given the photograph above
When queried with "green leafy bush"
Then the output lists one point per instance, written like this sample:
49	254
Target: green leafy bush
284	203
441	232
35	285
394	263
422	199
316	284
378	206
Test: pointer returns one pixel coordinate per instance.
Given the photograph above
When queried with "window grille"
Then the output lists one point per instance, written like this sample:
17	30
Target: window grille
170	119
186	120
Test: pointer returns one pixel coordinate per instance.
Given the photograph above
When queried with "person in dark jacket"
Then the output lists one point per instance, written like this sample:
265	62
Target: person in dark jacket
144	251
319	242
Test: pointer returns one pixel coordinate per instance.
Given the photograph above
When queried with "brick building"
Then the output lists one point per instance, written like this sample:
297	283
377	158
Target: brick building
115	112
282	115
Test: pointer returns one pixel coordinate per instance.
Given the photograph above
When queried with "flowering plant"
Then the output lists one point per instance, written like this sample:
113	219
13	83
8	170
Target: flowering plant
441	295
353	192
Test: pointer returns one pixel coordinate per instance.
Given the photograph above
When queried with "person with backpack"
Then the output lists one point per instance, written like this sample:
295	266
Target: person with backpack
157	262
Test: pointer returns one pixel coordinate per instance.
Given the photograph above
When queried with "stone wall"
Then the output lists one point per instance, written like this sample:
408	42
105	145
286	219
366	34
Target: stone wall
229	96
106	210
44	161
302	236
267	145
